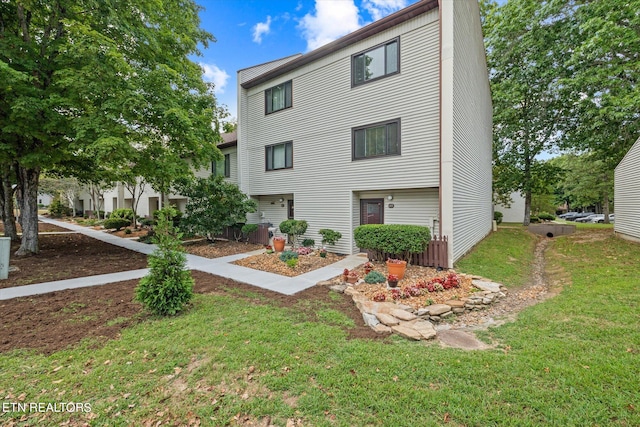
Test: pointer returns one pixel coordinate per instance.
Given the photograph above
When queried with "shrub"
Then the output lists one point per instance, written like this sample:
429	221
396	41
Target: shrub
292	262
124	213
174	215
287	255
249	228
57	209
546	216
147	222
308	243
127	231
375	277
497	216
534	219
116	223
396	239
329	237
294	228
169	286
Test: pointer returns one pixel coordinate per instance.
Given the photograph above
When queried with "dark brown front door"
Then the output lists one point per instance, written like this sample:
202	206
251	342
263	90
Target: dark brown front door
372	211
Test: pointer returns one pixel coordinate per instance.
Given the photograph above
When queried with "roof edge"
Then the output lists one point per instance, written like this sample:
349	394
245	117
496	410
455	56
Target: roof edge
387	22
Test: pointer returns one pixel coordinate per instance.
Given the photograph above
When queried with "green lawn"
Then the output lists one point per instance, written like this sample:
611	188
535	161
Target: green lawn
570	361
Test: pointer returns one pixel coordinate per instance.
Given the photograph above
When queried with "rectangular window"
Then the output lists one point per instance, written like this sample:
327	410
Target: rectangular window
375	63
277	98
222	167
379	139
279	156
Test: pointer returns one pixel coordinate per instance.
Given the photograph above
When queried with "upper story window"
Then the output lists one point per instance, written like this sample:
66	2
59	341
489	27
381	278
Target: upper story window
376	63
222	167
279	156
378	139
277	98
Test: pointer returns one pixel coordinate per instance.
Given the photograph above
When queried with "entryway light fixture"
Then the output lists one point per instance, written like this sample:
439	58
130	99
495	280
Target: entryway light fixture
281	200
389	197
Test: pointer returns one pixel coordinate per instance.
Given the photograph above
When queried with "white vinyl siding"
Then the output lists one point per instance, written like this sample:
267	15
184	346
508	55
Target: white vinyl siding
627	195
515	211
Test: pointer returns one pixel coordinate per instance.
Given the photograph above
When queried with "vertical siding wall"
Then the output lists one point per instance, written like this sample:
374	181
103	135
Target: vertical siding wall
515	211
472	130
627	194
325	109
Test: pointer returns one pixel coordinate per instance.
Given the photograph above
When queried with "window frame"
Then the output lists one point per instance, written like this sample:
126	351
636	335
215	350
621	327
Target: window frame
355	55
269	148
385	123
268	96
227	167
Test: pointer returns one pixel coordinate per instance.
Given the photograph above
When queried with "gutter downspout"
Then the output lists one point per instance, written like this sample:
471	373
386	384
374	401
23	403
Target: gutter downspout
440	118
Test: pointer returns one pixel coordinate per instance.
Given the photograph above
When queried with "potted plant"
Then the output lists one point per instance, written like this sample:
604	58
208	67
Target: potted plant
345	274
278	243
352	277
368	267
392	279
396	267
323	253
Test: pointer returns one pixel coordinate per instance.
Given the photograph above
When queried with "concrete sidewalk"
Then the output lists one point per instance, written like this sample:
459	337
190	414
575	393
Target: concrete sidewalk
219	266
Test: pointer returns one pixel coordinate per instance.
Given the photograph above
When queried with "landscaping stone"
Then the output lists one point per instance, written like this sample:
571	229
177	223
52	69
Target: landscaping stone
458	310
325	283
454	303
486	286
446	315
403	315
350	290
382	329
423	311
338	288
370	319
438	309
387	319
425	329
407	332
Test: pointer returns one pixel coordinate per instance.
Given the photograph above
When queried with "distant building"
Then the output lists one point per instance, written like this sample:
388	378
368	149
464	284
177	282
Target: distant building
515	211
627	195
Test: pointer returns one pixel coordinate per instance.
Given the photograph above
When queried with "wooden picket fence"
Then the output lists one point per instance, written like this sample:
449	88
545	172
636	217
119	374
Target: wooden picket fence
260	236
436	254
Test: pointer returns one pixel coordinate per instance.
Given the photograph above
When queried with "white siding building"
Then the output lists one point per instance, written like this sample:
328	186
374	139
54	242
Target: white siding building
389	124
627	195
515	211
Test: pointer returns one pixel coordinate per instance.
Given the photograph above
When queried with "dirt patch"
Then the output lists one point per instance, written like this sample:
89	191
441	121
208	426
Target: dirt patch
219	249
43	227
67	256
273	264
51	322
133	232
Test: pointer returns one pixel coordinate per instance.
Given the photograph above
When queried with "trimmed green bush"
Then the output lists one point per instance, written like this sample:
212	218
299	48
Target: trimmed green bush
534	219
292	262
375	277
497	217
308	243
329	237
546	216
57	209
124	213
397	239
287	255
116	223
169	286
294	228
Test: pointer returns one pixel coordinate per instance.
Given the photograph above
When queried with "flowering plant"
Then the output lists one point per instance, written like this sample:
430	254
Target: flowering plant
395	261
278	238
303	251
392	278
345	272
352	274
368	265
323	253
268	247
379	297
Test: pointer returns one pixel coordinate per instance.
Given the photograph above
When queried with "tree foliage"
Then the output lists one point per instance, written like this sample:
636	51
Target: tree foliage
98	85
213	204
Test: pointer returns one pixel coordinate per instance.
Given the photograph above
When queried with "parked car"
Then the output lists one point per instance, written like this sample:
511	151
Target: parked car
580	215
600	218
587	218
565	215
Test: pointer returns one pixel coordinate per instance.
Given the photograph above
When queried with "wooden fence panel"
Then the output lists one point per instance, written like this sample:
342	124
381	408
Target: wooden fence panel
436	254
259	237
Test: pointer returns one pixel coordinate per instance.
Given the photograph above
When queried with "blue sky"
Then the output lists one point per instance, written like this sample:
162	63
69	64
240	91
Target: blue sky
250	32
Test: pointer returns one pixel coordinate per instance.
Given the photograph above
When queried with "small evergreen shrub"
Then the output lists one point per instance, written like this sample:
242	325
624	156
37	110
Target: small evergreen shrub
308	243
287	255
116	223
127	231
497	217
546	216
534	219
294	228
124	213
147	222
57	209
249	228
169	286
396	239
375	277
329	237
292	262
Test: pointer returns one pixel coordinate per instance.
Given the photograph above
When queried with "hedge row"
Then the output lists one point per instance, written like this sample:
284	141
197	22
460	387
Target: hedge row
398	239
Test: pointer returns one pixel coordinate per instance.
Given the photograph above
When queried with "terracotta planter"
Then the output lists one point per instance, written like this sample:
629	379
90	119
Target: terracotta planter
352	280
278	245
397	269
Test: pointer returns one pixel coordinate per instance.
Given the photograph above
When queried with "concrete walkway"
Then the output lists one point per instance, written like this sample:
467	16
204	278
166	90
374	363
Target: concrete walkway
219	266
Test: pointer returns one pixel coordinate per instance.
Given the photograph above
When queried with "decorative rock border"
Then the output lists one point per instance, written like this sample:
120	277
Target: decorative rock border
395	317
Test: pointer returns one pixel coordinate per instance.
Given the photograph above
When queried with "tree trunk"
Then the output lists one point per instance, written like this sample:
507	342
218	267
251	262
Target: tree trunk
7	206
29	178
605	207
527	208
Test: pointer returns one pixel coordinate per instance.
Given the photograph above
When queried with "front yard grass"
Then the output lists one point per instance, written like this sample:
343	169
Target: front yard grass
572	360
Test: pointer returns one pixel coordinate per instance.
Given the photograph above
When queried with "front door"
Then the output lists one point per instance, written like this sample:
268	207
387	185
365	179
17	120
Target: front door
371	211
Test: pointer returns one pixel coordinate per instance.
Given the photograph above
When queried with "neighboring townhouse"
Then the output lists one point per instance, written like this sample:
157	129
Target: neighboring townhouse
389	124
120	197
515	211
627	195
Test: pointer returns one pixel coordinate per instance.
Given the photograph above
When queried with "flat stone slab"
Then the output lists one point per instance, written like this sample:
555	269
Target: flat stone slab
454	303
370	319
425	329
338	288
460	339
438	309
486	286
403	315
387	319
407	332
382	329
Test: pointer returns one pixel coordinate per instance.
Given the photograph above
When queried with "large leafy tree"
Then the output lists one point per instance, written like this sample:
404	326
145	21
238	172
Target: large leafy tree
100	82
522	54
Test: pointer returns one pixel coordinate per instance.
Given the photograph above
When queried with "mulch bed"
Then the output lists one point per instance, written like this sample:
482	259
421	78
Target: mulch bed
67	256
273	264
219	249
51	322
43	227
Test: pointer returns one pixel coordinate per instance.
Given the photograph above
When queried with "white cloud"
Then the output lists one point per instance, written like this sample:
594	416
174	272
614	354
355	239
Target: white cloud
332	19
381	8
260	29
215	75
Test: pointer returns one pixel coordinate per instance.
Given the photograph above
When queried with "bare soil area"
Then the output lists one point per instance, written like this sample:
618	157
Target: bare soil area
219	249
43	227
273	264
67	256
